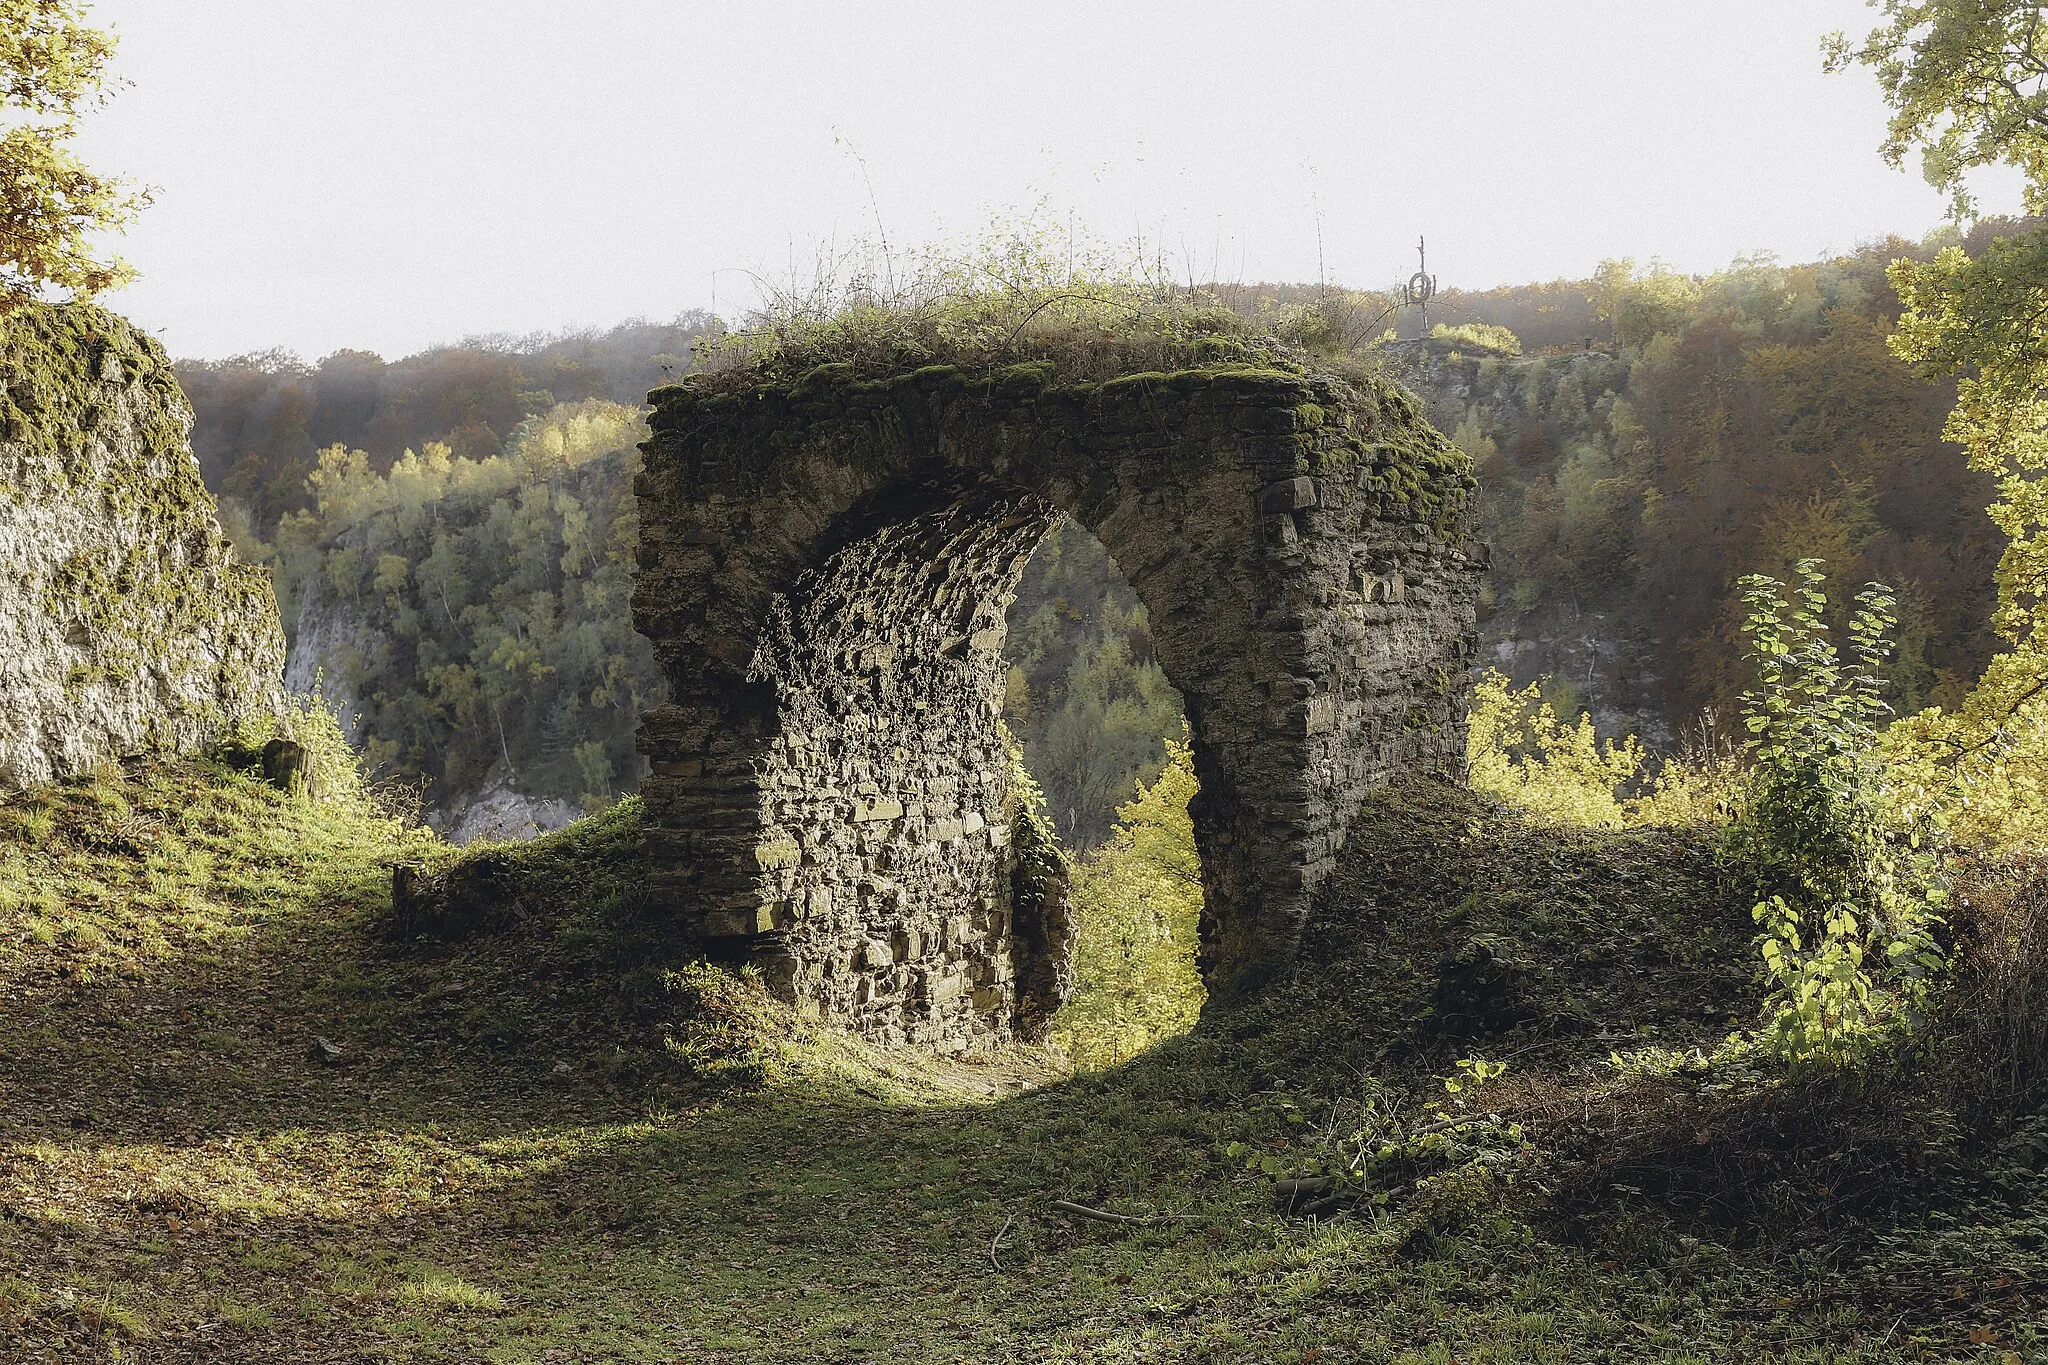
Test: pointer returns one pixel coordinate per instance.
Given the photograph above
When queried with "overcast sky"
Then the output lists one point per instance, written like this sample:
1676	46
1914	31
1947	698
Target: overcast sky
389	174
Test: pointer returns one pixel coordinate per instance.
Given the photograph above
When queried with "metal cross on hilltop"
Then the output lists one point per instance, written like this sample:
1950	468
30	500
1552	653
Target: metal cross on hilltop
1421	286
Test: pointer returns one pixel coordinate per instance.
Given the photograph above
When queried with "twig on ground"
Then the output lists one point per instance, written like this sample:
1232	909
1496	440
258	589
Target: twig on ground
1308	1184
1099	1215
1008	1223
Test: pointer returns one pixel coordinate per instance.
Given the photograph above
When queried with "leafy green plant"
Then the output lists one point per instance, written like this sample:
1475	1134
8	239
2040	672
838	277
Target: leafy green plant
1968	88
1847	889
1375	1148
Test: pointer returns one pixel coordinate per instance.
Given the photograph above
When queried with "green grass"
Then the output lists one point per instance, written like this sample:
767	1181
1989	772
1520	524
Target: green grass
436	1290
535	1150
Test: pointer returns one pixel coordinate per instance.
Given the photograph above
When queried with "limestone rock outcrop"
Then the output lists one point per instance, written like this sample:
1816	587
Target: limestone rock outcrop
126	623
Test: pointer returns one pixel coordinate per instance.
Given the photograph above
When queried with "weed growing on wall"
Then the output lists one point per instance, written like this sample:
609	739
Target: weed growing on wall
1028	288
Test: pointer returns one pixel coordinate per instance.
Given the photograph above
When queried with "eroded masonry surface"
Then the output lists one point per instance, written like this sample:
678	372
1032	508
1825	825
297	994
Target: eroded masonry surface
824	568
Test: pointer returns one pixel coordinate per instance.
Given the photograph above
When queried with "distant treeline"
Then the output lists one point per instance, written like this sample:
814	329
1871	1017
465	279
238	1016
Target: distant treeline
1717	425
262	419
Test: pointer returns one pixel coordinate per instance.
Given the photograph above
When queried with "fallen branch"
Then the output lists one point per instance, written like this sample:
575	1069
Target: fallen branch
1008	1223
1099	1215
1424	1130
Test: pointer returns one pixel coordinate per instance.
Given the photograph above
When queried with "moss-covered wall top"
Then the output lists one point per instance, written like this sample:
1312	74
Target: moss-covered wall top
126	623
1347	424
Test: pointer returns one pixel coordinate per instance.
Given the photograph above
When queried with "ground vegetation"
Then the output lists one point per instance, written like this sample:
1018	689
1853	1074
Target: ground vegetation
250	1115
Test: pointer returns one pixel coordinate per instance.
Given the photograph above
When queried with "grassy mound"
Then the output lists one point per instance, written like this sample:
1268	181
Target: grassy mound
526	1143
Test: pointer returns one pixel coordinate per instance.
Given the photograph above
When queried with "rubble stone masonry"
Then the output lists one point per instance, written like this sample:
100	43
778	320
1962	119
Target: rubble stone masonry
824	569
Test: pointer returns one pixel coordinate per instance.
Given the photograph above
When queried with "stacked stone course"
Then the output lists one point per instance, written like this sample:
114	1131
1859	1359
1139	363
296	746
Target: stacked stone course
824	571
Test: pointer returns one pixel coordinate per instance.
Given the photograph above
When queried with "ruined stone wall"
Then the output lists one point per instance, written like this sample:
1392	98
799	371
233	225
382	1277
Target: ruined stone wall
823	572
126	624
887	830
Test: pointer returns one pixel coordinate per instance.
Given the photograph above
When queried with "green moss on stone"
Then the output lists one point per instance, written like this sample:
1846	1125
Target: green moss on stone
1345	420
91	414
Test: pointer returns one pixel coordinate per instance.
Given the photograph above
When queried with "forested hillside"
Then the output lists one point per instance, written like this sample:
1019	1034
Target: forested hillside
263	419
457	557
473	611
451	537
1701	429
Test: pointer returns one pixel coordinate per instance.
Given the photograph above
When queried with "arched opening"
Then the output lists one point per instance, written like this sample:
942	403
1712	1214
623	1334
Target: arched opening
1102	733
908	878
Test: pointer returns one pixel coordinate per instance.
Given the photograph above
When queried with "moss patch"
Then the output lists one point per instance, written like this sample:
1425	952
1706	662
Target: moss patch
67	367
1347	422
93	442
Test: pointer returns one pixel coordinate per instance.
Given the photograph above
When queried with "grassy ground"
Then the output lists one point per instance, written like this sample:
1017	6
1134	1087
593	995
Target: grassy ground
531	1147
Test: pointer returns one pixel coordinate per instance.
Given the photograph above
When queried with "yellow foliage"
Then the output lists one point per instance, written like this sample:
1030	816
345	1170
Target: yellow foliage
1137	900
52	66
1483	335
1519	751
571	434
1987	786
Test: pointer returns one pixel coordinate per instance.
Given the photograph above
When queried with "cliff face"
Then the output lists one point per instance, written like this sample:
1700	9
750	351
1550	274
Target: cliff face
1593	655
126	623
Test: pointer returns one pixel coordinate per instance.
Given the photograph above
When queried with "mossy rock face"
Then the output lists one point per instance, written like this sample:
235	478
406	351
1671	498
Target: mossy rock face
126	623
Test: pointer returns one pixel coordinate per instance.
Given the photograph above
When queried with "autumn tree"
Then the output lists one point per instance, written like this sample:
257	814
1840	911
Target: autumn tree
53	66
1967	81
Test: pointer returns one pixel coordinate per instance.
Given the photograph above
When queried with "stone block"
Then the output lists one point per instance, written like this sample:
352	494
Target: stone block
1287	495
783	852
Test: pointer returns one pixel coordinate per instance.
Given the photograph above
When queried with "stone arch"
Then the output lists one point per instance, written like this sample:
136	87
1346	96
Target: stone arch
824	567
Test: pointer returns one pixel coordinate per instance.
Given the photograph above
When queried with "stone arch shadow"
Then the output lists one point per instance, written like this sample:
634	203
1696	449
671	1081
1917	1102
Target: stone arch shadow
824	568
